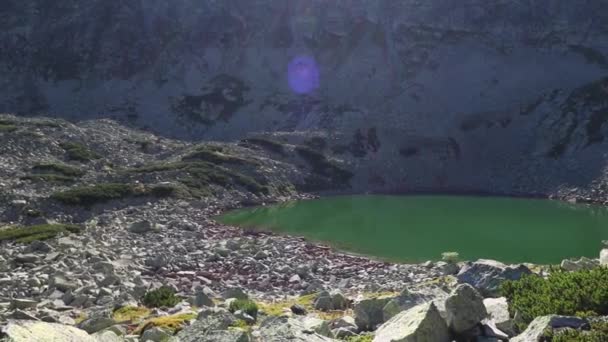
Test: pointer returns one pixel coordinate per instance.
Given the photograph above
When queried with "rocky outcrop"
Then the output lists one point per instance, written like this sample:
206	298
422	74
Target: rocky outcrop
542	325
464	309
487	275
28	331
498	313
420	323
287	329
368	312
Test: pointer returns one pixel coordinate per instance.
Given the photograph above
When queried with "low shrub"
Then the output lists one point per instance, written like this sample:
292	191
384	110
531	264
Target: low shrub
100	193
163	296
54	168
246	305
79	152
38	232
582	293
598	333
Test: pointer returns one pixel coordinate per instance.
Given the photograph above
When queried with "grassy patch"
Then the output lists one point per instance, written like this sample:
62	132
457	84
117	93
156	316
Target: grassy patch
240	324
101	193
198	176
361	338
131	314
267	144
7	128
48	178
161	297
246	305
582	293
39	232
79	152
172	323
61	169
307	301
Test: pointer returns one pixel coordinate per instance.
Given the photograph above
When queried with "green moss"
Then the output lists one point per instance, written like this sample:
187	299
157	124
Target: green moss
61	169
79	152
562	293
172	323
101	193
164	296
246	305
7	128
130	314
38	232
361	338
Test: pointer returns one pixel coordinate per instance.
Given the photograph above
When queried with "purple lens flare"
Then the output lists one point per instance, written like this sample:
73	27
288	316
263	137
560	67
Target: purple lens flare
303	75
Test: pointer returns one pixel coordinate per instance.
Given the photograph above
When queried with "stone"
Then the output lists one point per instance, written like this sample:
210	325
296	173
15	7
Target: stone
487	275
23	304
315	324
288	329
239	314
339	301
408	299
489	329
298	309
232	335
19	314
235	292
62	284
343	333
39	246
26	258
141	227
368	312
95	324
464	308
604	257
30	331
155	334
323	303
208	322
420	323
107	336
498	312
580	264
540	325
201	299
109	281
295	279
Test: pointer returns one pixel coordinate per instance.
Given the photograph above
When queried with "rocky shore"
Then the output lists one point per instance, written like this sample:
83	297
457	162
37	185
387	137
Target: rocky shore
107	236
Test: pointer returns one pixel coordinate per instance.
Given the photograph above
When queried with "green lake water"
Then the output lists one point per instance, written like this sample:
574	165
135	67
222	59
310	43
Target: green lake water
418	228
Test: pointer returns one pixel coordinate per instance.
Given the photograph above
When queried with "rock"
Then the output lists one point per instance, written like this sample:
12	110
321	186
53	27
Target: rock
288	329
489	329
317	325
295	279
141	227
540	325
95	324
408	299
239	314
260	255
323	302
39	246
298	309
580	264
498	312
368	312
232	335
109	281
23	304
107	336
487	275
62	284
235	292
343	333
201	299
19	314
339	301
26	258
155	334
205	328
30	331
157	261
604	257
420	323
447	268
464	308
216	318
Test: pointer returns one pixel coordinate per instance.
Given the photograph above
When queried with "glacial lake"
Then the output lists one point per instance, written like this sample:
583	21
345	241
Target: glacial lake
419	228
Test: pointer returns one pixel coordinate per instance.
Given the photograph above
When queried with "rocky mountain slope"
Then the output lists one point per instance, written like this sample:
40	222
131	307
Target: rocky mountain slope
500	97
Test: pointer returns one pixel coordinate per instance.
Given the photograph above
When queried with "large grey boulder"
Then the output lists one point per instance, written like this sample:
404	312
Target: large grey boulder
33	331
368	312
209	321
487	275
540	325
580	264
464	309
408	299
604	257
420	323
279	329
498	313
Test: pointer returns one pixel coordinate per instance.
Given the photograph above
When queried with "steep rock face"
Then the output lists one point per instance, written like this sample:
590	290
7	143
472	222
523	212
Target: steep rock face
502	96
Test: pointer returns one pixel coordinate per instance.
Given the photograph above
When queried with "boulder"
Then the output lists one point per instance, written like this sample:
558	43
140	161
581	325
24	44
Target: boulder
141	227
580	264
208	322
368	312
339	301
201	299
420	323
95	324
289	329
155	334
323	302
498	313
298	309
23	304
232	335
29	331
464	309
487	275
107	336
408	299
604	257
315	324
540	325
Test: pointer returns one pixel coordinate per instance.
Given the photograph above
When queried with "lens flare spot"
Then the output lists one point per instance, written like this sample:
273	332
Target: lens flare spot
303	75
